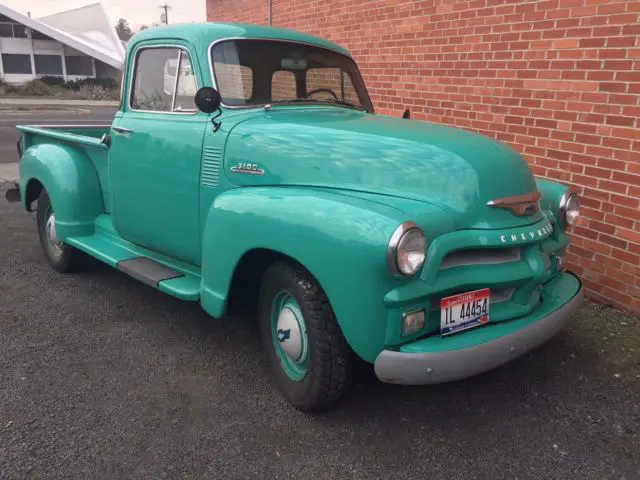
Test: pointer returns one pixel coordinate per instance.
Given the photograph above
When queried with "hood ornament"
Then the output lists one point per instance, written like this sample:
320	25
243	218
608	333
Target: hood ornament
519	205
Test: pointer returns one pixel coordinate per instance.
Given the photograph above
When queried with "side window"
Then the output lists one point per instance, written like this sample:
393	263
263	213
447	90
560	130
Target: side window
154	79
283	85
187	86
157	73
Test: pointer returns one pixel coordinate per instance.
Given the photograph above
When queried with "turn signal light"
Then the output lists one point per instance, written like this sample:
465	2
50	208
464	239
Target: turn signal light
412	322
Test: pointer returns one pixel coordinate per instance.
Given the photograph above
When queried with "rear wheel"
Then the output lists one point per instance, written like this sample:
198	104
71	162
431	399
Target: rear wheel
63	258
307	352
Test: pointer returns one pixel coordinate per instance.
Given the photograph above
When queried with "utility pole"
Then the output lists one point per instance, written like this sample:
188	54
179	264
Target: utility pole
166	9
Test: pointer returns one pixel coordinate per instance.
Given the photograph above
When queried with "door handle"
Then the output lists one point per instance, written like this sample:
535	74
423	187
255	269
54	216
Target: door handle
121	130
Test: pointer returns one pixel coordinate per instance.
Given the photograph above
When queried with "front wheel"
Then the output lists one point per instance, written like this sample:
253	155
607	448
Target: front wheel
307	352
63	258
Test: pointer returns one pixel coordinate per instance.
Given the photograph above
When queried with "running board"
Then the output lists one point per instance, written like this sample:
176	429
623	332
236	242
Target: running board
148	271
166	274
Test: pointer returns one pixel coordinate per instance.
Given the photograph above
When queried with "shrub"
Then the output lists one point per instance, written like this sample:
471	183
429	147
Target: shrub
104	82
35	88
89	89
52	81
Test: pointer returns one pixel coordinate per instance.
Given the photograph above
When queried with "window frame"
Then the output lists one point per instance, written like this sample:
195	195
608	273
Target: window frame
4	65
62	65
134	68
273	39
86	75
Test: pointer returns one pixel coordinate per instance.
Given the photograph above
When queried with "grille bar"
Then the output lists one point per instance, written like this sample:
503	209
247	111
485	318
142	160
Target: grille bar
480	256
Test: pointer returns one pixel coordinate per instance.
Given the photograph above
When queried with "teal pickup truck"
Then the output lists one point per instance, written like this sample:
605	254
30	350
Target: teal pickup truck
246	167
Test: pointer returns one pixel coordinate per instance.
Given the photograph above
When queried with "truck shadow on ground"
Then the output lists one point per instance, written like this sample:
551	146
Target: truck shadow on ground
548	373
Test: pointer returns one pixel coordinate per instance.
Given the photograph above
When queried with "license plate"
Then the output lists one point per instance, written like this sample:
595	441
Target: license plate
464	311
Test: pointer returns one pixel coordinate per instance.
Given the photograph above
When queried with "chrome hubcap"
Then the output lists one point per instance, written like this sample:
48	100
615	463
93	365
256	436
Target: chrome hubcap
52	237
289	334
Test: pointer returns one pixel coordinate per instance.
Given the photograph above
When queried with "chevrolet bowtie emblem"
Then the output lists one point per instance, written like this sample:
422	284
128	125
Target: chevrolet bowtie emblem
520	205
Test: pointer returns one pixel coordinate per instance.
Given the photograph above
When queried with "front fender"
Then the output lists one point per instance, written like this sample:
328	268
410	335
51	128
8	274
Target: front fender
71	181
341	240
550	194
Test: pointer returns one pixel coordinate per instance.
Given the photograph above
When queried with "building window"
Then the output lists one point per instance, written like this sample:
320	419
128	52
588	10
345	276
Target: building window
19	31
20	64
81	66
12	30
48	64
6	30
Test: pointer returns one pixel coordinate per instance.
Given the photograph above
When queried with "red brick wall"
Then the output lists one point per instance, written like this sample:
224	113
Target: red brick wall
557	79
245	11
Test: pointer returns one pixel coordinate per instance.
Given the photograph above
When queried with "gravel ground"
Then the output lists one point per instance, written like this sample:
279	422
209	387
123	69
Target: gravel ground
103	377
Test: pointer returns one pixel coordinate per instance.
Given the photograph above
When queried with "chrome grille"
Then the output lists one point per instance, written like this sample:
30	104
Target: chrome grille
480	256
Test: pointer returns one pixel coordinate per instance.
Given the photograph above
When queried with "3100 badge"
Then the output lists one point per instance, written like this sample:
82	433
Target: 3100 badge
464	311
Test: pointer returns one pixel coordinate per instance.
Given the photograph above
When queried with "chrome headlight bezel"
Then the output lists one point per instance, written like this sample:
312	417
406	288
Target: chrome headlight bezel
395	244
569	214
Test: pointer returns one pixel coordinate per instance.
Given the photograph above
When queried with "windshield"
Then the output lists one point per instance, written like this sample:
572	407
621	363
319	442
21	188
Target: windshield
258	72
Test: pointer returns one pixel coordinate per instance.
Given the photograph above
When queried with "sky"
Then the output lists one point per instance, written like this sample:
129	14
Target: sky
137	12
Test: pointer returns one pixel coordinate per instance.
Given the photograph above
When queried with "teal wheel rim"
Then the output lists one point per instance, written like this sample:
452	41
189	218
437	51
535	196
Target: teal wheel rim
289	335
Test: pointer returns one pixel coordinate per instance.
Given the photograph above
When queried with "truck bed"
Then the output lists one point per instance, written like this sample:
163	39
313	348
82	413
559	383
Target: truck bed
78	134
85	138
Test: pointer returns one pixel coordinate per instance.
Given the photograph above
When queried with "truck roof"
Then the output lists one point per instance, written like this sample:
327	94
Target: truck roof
203	34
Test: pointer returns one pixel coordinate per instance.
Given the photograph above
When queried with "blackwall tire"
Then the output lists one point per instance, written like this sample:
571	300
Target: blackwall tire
314	371
62	258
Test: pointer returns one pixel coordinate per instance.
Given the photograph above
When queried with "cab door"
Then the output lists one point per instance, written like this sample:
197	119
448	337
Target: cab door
156	151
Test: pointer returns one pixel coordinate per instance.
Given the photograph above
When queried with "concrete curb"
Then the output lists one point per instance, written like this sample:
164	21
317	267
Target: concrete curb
9	172
40	102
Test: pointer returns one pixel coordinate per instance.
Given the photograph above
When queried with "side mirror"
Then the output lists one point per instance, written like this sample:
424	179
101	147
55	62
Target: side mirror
406	114
208	99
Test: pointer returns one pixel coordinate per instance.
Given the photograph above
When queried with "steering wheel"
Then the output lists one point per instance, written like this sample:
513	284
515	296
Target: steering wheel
318	90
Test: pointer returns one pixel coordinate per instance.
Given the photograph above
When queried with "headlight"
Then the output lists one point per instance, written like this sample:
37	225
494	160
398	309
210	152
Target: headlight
569	209
406	249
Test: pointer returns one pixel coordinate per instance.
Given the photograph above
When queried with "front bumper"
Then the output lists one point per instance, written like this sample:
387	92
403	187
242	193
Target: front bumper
438	360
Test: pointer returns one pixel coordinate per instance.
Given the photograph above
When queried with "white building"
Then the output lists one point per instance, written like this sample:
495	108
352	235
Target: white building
76	44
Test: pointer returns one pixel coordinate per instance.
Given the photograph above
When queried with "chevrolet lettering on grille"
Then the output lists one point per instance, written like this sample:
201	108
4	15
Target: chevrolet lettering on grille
527	236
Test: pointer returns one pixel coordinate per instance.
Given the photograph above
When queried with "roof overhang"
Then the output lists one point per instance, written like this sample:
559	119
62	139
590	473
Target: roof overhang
111	54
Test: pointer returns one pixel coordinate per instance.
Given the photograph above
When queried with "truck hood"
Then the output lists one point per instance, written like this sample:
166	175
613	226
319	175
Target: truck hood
450	168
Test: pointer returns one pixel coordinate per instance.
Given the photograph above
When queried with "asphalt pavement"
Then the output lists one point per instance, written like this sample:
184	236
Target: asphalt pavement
104	377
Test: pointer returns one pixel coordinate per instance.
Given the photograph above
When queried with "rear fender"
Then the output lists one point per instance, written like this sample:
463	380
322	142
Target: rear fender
341	240
71	181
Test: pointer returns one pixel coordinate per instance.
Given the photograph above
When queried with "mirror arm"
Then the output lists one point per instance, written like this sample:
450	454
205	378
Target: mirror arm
216	124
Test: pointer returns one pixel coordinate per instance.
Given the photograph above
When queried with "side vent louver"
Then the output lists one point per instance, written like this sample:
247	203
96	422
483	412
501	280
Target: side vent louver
211	162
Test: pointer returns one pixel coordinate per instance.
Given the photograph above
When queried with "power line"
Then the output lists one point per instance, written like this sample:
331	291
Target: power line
166	9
